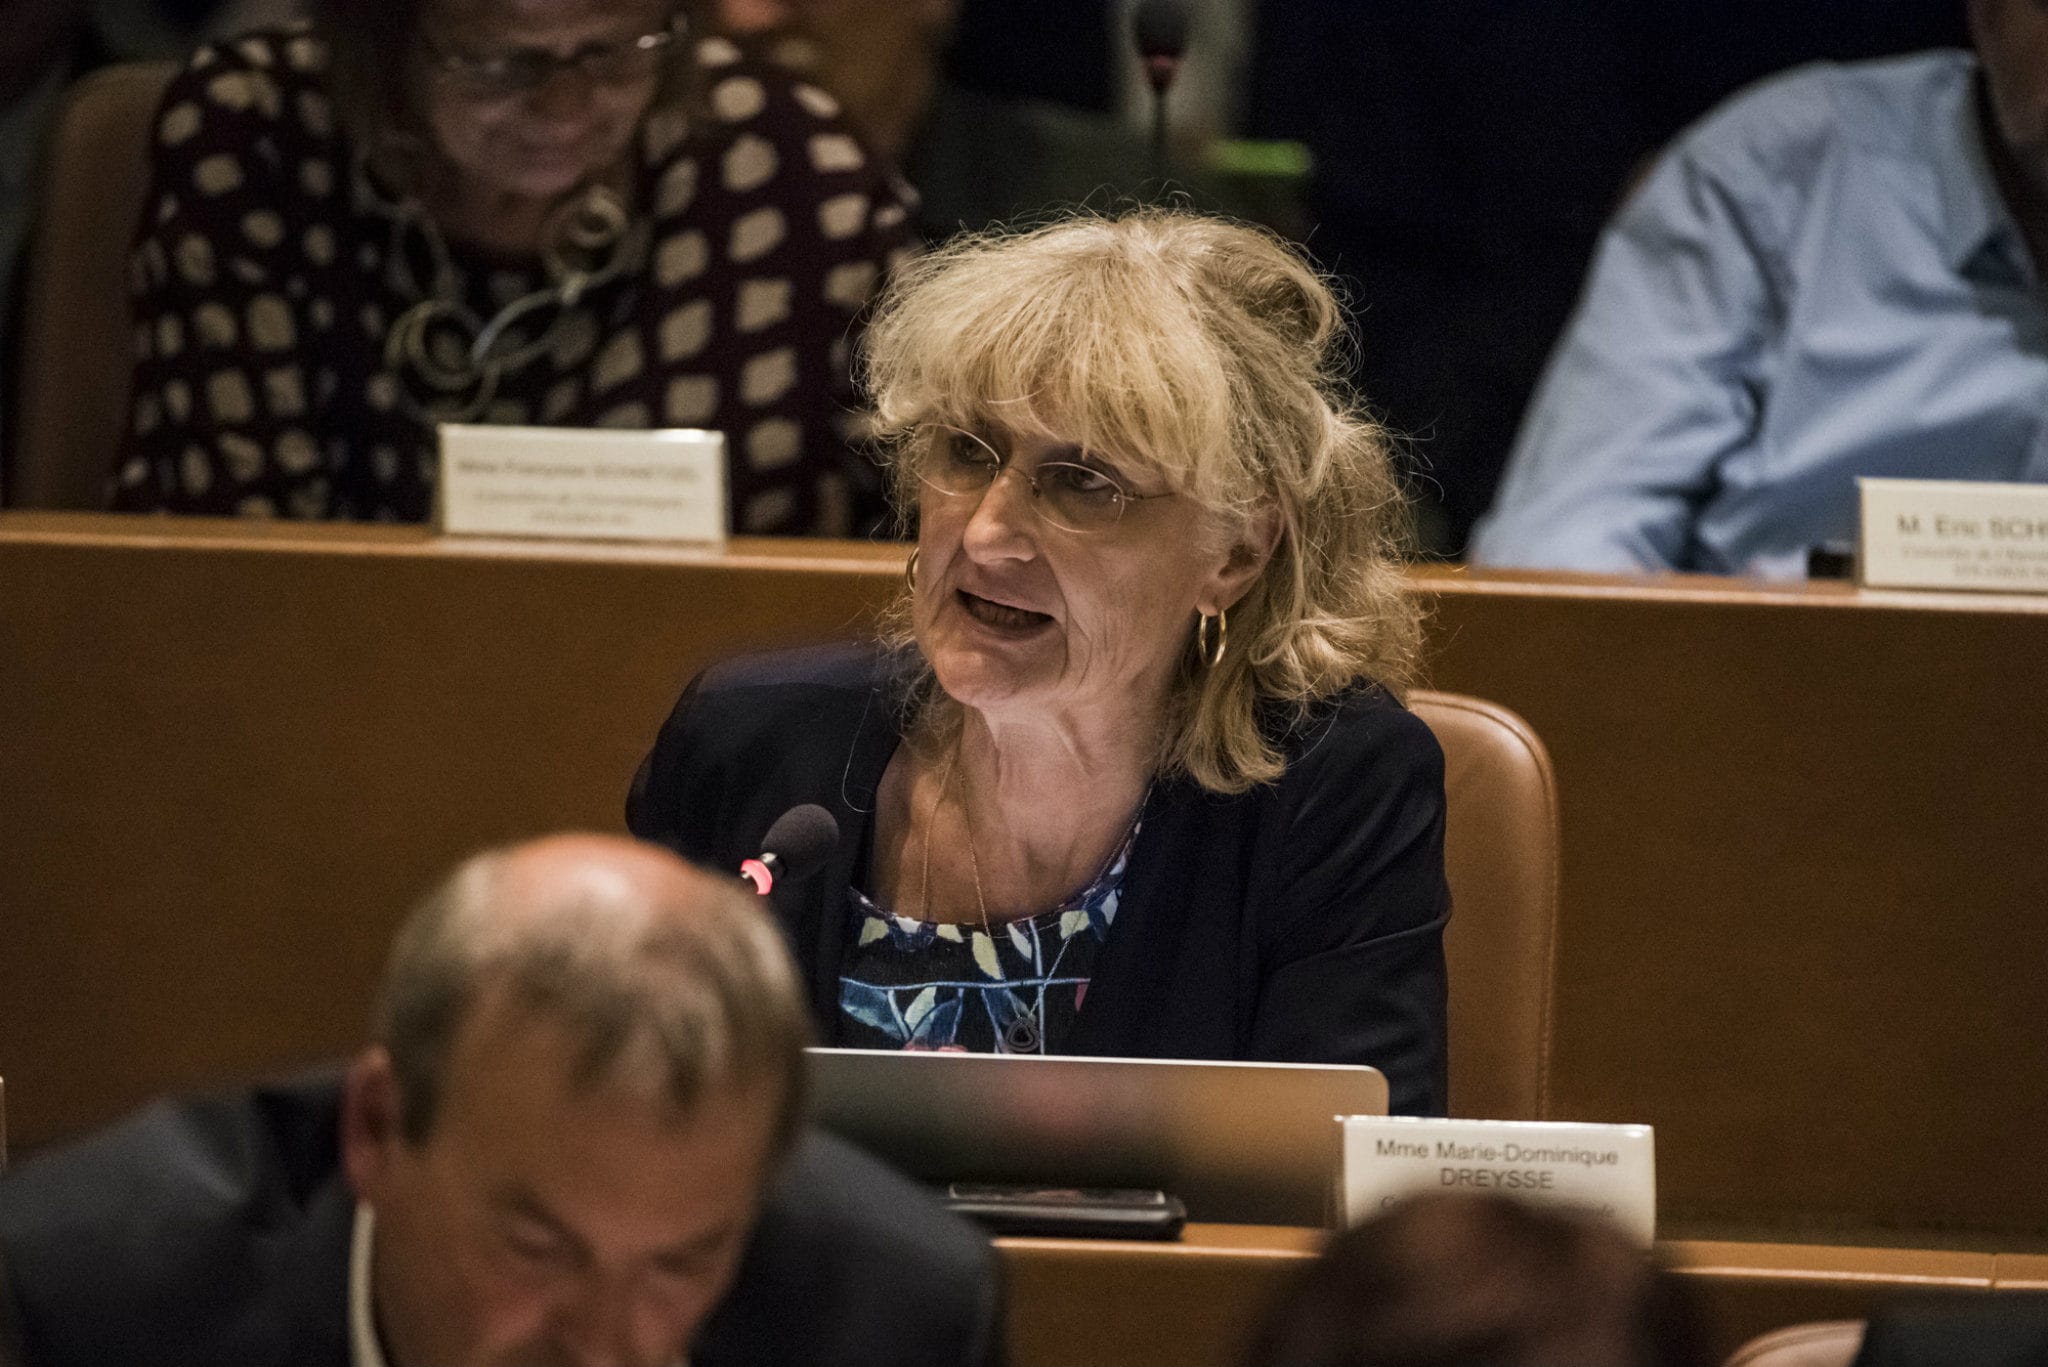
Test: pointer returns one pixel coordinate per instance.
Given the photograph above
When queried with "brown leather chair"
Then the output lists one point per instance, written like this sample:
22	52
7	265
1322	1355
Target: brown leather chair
1824	1343
75	350
1501	857
3	1124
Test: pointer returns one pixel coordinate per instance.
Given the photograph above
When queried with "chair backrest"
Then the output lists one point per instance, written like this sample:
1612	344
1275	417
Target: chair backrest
1823	1343
1501	857
3	1124
75	353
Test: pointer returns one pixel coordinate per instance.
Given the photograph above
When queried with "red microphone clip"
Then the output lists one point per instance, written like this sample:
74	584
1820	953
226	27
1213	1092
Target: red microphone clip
755	872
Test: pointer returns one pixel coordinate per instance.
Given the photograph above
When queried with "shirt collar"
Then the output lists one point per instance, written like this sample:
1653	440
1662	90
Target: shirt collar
364	1348
1974	214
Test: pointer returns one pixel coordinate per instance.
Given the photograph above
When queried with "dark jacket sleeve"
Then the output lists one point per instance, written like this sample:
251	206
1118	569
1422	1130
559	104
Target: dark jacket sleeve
198	1232
748	738
2006	1330
855	1266
13	1352
1351	961
666	803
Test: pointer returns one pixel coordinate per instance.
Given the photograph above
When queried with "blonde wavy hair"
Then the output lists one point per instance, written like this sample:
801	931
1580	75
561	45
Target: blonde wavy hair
1208	353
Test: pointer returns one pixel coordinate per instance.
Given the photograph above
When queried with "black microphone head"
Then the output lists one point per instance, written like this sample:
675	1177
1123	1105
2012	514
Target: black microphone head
800	839
1159	28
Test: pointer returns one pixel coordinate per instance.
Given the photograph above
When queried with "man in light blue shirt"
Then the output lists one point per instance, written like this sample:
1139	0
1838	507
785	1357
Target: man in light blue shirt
1835	274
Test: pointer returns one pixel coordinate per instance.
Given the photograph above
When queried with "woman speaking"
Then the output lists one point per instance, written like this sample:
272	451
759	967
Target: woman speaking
1128	776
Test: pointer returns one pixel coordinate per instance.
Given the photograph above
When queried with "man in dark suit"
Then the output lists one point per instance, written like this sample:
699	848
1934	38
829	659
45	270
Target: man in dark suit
576	1141
2006	1330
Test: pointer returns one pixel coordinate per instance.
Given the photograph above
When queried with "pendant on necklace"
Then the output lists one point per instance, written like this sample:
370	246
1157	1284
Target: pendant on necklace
1020	1036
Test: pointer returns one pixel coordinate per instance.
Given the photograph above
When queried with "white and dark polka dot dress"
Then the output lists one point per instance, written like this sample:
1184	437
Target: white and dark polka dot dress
265	281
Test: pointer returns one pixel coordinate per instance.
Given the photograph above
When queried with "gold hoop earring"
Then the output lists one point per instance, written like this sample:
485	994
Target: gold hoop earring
1212	654
910	572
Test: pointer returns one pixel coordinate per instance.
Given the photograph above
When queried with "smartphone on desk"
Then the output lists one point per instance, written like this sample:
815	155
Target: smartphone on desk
1069	1212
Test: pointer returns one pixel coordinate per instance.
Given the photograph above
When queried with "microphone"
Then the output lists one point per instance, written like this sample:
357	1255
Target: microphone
1159	30
798	840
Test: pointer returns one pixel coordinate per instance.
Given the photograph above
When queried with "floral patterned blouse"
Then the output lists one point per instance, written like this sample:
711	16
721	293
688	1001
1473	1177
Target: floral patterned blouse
912	984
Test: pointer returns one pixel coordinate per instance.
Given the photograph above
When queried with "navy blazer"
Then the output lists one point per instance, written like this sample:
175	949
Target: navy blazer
216	1231
1299	922
2009	1329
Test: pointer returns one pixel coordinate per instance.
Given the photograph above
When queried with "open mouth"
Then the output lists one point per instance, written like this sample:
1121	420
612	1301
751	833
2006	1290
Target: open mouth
1001	616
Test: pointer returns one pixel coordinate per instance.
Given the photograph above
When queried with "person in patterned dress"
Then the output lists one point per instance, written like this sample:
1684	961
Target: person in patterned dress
1130	777
562	212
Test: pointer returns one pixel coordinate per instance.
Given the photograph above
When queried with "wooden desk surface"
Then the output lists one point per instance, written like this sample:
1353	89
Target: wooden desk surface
1195	1303
1802	886
2022	1272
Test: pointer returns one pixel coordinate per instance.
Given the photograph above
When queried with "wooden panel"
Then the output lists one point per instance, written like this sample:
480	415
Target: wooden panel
1113	1304
1744	1290
1802	885
229	763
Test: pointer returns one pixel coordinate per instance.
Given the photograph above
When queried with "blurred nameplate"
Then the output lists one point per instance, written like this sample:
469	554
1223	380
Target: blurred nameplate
1609	1169
583	484
1954	534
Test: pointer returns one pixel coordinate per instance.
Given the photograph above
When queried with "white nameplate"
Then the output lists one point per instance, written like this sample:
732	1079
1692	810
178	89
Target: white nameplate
583	483
1954	534
1611	1169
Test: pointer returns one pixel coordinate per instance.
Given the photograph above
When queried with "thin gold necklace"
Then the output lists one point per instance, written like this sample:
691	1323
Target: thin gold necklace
924	887
1023	1034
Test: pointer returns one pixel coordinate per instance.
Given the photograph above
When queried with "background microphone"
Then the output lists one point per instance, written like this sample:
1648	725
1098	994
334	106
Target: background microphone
1159	30
798	841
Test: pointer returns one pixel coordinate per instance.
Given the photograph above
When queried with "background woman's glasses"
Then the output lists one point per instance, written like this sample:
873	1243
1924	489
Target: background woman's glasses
523	70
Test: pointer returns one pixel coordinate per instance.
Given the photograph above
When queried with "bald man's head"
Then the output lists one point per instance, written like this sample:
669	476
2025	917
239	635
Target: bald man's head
589	1059
665	980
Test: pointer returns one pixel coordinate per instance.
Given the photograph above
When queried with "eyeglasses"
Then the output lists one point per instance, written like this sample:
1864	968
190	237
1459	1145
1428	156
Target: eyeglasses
1068	495
523	70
